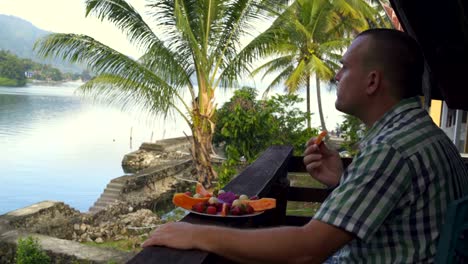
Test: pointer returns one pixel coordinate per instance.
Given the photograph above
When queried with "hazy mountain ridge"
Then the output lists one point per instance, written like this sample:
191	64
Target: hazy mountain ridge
18	36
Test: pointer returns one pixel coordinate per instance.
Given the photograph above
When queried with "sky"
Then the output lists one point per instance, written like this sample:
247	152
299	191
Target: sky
68	16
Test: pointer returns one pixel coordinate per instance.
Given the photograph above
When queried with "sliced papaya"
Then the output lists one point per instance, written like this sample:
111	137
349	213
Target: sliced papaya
320	137
262	204
186	202
202	191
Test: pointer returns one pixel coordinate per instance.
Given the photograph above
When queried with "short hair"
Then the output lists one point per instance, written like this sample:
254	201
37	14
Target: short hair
400	57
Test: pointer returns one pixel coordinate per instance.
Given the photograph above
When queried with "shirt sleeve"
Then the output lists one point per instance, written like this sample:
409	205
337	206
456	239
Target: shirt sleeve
370	189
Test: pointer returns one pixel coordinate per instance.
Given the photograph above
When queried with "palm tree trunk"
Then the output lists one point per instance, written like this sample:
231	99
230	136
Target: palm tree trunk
201	148
319	103
308	101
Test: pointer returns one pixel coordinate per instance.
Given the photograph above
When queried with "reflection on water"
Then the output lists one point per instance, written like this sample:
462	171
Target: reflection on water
56	146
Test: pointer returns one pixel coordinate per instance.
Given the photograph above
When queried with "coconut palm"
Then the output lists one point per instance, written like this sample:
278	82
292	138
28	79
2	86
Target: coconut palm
199	40
307	39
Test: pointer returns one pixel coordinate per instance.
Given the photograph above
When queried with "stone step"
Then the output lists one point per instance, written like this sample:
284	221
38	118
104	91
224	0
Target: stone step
96	209
113	190
102	204
110	195
151	146
115	185
107	200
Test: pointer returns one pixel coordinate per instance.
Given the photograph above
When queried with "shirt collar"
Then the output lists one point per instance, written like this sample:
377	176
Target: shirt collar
403	106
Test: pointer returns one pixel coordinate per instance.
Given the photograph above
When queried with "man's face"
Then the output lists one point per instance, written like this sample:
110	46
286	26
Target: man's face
350	97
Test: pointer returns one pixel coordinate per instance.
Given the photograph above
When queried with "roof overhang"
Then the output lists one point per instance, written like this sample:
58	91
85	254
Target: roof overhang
441	28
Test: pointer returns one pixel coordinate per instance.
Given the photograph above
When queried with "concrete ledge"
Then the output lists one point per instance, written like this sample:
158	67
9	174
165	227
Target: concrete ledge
170	144
60	250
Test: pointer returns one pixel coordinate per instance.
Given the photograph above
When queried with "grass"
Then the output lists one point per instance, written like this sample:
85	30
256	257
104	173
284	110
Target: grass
8	82
303	208
130	245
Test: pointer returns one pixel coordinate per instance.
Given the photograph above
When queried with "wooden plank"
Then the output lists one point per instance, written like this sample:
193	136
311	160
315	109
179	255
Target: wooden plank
260	178
168	255
296	163
306	194
294	220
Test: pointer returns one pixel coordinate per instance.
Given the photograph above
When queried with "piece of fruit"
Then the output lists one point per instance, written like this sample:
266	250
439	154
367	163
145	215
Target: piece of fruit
188	194
197	195
199	207
202	191
225	209
236	210
249	209
213	200
236	202
220	192
243	197
261	204
186	202
211	210
320	137
227	197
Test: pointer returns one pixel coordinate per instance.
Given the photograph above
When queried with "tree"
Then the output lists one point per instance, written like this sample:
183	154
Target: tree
200	40
307	40
11	70
247	126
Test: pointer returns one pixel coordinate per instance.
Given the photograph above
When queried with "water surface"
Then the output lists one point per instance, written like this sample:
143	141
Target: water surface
55	145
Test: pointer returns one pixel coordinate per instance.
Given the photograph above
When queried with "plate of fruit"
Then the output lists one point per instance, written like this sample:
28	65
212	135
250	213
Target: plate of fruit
222	203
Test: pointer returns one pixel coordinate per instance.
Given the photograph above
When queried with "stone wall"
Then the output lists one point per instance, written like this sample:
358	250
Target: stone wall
56	220
60	250
50	218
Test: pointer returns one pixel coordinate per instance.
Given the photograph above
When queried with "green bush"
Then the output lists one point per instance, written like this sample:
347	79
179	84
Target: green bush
248	126
353	130
30	252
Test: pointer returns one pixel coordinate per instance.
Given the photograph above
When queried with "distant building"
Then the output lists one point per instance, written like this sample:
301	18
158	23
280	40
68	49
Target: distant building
452	121
28	74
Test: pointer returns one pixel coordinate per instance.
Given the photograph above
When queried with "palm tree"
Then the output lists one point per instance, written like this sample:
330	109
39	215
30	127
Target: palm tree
307	39
199	41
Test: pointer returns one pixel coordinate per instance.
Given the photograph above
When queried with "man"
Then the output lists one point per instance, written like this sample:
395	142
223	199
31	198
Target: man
389	204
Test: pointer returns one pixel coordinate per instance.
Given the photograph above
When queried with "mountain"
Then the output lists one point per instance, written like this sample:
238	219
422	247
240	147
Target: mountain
18	36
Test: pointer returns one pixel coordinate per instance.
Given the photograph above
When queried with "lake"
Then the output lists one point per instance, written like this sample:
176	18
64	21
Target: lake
56	145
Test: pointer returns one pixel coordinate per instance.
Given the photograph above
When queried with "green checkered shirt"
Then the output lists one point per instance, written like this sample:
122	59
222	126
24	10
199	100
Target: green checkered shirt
394	195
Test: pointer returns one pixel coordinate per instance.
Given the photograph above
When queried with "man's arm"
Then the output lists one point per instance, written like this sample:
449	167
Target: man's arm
312	243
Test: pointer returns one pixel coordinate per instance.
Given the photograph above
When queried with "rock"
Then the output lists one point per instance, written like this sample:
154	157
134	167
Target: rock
99	240
83	227
76	227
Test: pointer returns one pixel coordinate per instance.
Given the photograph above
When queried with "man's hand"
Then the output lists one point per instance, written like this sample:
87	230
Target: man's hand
323	163
175	235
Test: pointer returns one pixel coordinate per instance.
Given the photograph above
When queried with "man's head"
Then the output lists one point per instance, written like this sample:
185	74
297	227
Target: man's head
382	66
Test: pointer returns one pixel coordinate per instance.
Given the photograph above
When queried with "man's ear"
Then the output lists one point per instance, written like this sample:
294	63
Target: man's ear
374	79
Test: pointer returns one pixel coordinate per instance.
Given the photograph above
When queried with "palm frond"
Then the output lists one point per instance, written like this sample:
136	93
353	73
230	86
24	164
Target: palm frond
127	94
296	77
320	68
280	79
126	18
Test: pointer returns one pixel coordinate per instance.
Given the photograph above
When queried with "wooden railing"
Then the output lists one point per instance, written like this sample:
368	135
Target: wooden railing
266	177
